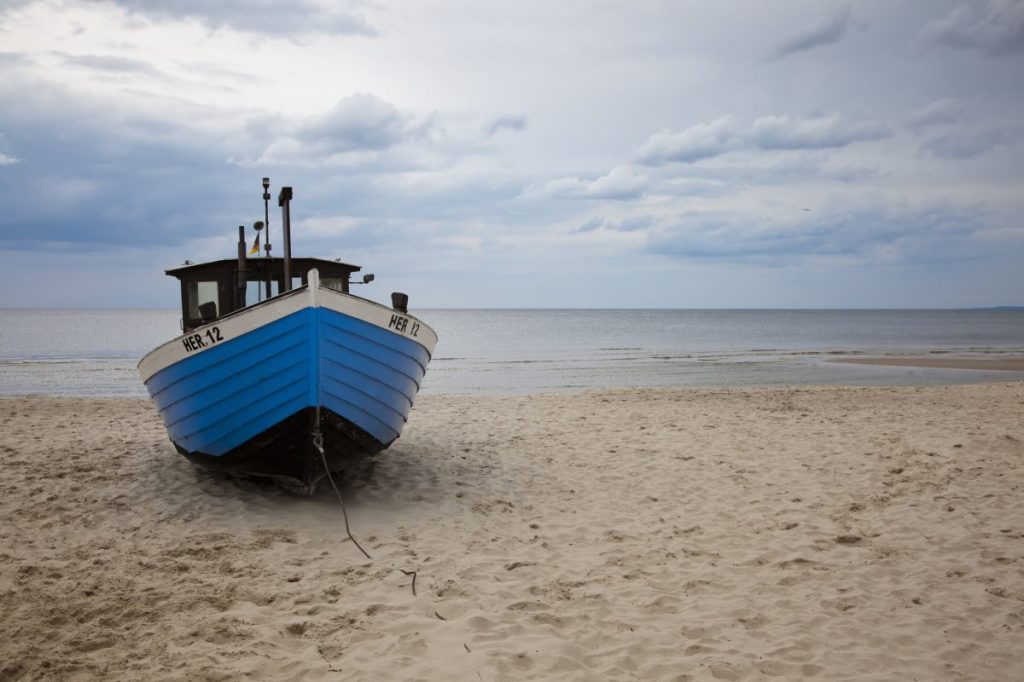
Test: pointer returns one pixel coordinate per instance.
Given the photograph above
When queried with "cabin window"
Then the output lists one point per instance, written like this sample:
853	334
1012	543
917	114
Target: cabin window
335	283
202	300
256	290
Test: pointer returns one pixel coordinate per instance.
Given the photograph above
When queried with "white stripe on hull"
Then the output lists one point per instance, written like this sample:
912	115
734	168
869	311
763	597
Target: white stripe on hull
249	319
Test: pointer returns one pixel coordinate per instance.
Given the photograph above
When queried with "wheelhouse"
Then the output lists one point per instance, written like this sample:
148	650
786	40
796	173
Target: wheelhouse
212	290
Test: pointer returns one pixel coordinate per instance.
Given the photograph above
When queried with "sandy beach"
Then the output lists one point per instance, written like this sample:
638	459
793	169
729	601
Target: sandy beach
742	534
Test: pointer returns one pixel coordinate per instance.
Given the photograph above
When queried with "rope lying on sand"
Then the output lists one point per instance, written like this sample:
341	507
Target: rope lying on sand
318	443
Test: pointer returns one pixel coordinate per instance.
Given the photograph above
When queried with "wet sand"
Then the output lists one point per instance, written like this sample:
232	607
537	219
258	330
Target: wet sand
747	534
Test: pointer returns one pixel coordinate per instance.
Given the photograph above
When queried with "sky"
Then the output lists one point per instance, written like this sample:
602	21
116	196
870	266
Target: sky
573	153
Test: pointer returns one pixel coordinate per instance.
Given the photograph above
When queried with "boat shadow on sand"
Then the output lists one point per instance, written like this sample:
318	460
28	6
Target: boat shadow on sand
396	477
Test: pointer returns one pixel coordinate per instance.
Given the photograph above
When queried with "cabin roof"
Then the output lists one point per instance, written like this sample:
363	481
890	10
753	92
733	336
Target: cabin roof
297	263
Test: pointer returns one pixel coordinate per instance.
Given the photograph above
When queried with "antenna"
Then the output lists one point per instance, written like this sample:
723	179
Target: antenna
266	212
266	223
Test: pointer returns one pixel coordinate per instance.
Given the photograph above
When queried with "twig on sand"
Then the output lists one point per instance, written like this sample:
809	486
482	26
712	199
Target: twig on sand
413	574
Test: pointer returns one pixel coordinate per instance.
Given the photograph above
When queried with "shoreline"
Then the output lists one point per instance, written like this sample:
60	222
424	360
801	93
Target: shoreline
791	371
649	533
1010	364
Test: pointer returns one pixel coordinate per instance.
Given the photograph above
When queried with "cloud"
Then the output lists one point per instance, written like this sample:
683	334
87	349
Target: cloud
819	132
940	112
92	176
767	133
994	28
359	121
267	17
5	158
701	141
13	58
970	145
357	129
365	133
591	224
824	32
574	151
727	176
619	183
869	231
110	64
630	224
513	123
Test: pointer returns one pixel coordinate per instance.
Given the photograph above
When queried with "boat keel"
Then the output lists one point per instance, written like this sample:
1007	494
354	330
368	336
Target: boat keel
286	452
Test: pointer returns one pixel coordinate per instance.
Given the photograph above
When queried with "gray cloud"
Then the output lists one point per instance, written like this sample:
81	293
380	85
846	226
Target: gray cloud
268	17
701	141
475	152
6	157
768	133
723	178
514	123
819	132
994	27
88	178
360	128
359	121
91	176
109	64
670	182
14	59
970	145
631	224
891	233
619	183
824	32
940	112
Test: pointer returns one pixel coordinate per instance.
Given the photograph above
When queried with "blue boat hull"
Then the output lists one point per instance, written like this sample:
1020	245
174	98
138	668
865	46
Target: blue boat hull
247	394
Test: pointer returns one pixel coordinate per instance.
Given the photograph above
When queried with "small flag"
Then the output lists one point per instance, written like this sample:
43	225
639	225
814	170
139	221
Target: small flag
255	245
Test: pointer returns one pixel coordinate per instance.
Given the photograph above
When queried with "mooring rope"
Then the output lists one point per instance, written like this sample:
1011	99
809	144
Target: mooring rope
318	443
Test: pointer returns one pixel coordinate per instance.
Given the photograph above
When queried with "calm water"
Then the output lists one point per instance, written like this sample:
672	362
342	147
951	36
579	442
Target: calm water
94	352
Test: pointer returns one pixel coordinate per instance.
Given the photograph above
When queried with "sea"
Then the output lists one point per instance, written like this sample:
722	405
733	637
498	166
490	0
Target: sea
95	352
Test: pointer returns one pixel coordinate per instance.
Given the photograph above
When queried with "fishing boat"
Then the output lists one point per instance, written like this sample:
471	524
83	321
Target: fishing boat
281	371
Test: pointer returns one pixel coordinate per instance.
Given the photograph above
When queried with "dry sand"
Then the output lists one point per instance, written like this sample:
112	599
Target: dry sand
869	534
